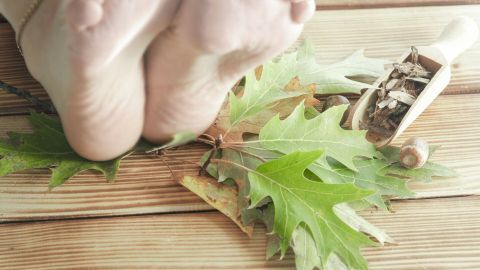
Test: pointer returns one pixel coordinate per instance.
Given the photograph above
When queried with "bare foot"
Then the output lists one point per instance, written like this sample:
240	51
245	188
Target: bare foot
208	47
88	56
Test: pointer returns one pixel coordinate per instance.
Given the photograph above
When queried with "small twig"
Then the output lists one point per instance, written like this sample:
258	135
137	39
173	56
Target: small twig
203	170
208	136
212	143
45	106
162	153
164	158
218	143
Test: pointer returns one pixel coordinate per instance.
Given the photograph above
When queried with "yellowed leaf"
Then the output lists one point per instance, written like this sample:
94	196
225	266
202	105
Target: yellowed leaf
220	196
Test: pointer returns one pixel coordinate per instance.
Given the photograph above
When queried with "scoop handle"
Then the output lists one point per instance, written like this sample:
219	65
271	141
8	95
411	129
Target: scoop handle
459	35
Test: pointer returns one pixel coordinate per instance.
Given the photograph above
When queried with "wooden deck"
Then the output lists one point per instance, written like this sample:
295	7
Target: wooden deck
146	220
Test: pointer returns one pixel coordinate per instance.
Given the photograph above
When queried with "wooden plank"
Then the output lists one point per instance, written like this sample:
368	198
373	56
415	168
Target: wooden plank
389	32
430	234
13	71
145	185
335	34
353	4
452	123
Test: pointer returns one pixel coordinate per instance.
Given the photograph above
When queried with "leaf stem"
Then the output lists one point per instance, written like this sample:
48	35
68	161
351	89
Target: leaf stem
45	106
204	168
212	143
212	139
216	146
249	153
216	160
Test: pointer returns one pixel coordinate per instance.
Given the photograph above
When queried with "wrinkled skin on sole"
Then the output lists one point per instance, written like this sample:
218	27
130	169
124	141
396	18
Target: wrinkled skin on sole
117	70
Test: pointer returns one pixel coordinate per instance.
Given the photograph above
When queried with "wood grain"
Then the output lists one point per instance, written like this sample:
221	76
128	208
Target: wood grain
389	33
430	234
336	34
13	71
145	185
440	233
354	4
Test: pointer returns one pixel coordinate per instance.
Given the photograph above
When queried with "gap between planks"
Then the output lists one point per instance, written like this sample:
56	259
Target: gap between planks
144	184
336	34
356	4
430	234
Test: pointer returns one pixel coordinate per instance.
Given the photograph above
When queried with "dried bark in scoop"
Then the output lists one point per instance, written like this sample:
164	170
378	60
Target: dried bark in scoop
396	95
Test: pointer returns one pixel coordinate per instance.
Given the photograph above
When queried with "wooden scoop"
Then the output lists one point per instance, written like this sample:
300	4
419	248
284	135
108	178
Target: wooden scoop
459	35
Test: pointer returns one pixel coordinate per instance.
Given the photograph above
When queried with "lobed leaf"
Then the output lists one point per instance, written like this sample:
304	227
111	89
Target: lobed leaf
297	133
219	196
337	78
367	177
268	89
178	139
47	147
299	200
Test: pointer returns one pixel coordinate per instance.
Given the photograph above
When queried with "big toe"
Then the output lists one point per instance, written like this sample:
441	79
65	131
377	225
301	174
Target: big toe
302	10
81	14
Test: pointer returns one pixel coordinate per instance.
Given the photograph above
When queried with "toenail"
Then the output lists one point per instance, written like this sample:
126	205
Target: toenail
84	13
302	10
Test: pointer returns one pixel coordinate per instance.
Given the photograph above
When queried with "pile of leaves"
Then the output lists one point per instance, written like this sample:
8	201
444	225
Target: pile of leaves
275	159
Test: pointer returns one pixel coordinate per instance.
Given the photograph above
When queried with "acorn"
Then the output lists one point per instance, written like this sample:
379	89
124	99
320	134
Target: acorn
337	100
414	153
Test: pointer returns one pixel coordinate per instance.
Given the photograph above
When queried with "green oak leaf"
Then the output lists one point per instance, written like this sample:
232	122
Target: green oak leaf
311	113
276	74
367	177
306	256
348	215
235	169
391	155
273	241
299	200
297	133
239	157
336	78
269	88
303	244
306	51
47	147
423	174
306	253
178	139
250	159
